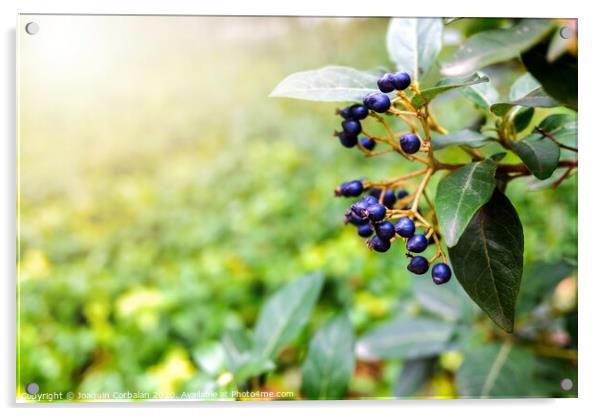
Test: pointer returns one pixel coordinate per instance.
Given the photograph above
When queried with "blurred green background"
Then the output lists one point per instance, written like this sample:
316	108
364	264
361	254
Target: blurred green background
163	196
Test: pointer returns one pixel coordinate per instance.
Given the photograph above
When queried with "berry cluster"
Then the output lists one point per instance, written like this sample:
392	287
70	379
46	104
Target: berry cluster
369	214
384	200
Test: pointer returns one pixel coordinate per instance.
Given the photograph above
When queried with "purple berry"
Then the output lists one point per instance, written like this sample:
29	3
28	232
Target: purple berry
347	140
418	265
386	83
358	111
352	127
405	227
378	244
352	188
401	80
417	243
376	212
402	194
345	113
355	219
364	230
368	143
377	101
410	143
441	273
384	230
360	206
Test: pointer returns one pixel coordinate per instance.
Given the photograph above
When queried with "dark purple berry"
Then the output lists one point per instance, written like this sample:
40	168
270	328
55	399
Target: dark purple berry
384	230
441	273
364	230
358	111
355	219
347	140
386	83
345	113
402	194
377	101
401	80
410	143
370	200
376	212
352	188
360	206
352	127
418	265
368	143
405	227
417	243
431	240
389	198
378	244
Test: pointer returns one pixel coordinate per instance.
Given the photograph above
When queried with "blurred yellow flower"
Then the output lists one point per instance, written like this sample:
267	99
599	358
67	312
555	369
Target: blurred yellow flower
175	369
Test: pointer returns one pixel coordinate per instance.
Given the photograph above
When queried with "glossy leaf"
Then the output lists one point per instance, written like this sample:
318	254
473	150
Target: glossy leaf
562	126
284	315
483	94
522	118
330	360
489	47
331	83
536	98
488	259
558	78
413	376
460	194
539	153
465	137
414	44
524	85
495	370
405	338
444	85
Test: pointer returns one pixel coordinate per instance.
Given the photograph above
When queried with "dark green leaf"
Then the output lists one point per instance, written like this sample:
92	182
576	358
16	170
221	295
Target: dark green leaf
562	126
460	194
450	304
413	376
558	78
488	259
444	85
331	83
405	338
489	47
539	153
536	98
330	360
483	94
522	118
495	370
465	137
414	44
284	315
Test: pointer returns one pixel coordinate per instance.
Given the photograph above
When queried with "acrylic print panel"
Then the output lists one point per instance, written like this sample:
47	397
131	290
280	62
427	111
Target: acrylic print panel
188	223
